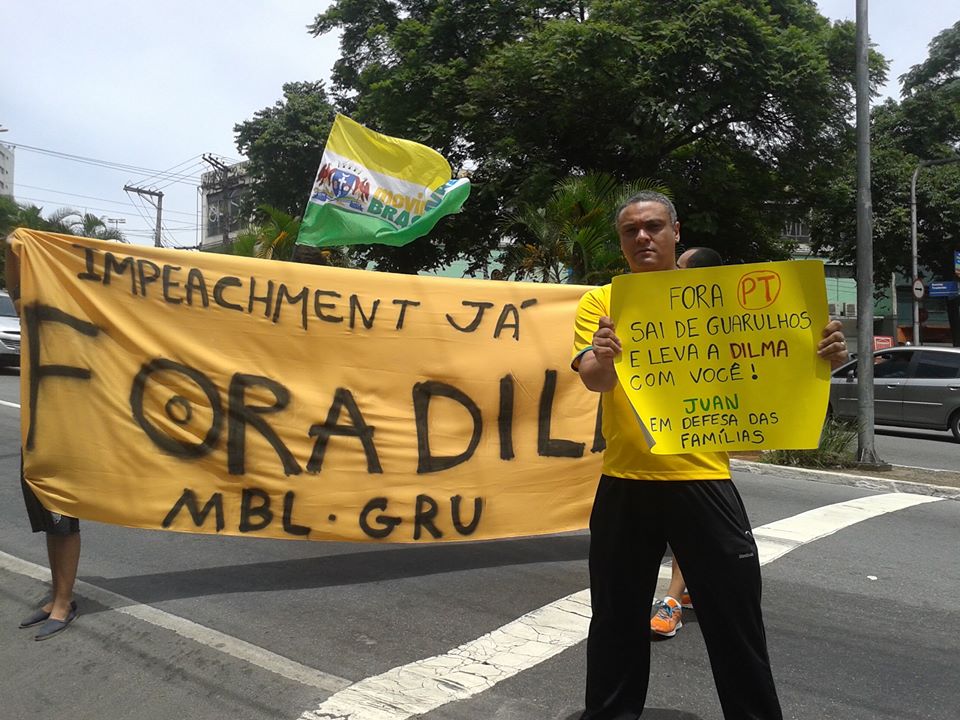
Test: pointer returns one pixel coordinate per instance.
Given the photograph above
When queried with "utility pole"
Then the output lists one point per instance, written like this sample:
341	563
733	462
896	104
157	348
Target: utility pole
913	237
116	222
866	452
223	175
158	204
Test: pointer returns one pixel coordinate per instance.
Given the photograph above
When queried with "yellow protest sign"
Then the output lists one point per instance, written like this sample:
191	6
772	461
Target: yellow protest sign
210	393
724	358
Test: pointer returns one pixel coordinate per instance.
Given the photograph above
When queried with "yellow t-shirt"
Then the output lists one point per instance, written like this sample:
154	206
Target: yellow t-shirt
627	454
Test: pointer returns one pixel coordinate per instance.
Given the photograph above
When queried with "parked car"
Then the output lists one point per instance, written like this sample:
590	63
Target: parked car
916	387
9	333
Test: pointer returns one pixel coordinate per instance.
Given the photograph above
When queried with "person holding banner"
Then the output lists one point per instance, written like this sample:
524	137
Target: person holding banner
643	501
62	532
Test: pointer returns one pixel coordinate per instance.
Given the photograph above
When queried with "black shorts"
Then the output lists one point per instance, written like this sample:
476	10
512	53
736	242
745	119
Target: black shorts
41	519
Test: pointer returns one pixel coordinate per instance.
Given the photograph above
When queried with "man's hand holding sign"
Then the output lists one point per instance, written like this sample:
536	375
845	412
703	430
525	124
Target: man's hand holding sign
714	358
698	357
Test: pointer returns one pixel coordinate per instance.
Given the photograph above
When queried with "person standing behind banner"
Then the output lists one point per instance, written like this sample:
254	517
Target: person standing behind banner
57	611
698	257
669	615
644	501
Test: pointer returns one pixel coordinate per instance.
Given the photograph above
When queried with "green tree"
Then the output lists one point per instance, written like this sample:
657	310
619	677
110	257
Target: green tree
15	215
738	105
63	220
930	128
924	125
283	144
274	238
75	222
9	214
271	238
571	238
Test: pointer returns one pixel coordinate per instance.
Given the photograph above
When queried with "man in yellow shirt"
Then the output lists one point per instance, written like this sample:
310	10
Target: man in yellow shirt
645	500
668	618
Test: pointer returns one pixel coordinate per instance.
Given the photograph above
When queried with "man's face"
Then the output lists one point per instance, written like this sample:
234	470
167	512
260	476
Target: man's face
647	237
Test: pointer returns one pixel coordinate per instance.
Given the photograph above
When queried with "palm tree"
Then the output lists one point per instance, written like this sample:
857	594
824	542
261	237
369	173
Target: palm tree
272	239
66	221
572	238
14	215
538	251
275	239
73	222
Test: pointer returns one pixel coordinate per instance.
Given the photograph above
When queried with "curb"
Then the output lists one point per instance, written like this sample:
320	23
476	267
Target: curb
841	478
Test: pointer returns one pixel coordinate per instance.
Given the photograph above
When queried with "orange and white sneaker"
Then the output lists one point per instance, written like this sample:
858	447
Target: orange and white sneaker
668	618
685	602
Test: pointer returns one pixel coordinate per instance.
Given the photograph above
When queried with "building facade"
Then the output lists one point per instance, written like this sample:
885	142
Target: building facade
221	196
6	170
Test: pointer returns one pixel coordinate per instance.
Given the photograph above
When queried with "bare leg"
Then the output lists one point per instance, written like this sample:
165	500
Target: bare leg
64	554
677	584
53	578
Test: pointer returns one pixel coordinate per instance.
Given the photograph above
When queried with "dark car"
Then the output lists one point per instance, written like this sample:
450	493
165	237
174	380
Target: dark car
9	333
916	387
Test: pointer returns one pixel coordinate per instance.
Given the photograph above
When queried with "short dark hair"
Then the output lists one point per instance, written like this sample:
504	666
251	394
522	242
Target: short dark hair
648	196
704	257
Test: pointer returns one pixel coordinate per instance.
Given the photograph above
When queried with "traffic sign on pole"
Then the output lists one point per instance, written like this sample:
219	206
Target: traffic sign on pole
918	289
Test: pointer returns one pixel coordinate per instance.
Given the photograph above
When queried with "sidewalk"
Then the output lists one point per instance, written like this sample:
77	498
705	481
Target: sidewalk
899	478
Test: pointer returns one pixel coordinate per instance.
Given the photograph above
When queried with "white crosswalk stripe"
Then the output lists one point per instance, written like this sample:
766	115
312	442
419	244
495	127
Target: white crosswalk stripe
419	687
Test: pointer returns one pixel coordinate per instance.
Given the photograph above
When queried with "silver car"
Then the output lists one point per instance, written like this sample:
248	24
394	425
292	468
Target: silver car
9	333
916	387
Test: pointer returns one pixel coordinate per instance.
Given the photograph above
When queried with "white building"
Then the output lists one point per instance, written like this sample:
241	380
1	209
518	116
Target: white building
221	195
6	170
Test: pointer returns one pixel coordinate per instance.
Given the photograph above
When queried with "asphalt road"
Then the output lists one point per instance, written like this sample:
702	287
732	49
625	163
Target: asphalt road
862	623
917	448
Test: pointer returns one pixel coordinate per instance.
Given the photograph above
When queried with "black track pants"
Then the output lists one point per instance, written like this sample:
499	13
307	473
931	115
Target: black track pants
706	525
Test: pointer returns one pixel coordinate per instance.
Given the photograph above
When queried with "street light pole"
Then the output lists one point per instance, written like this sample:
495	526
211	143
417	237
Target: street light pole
913	236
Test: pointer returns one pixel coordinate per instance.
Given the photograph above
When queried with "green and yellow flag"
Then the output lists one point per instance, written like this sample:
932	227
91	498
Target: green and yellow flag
372	188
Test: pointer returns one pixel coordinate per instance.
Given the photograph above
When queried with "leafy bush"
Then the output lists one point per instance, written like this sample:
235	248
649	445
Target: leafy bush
837	449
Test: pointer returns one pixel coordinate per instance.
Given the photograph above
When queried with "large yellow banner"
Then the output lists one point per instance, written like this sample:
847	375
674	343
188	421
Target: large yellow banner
724	358
220	394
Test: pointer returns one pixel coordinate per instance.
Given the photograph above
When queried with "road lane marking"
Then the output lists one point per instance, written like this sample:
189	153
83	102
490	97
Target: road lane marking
7	403
424	685
776	539
213	639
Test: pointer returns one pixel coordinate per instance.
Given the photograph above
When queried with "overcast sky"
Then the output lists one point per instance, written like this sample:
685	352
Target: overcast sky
155	86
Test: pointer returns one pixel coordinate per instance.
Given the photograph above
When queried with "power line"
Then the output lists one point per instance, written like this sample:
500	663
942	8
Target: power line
168	184
85	207
90	197
170	228
158	204
226	184
171	169
168	177
161	234
160	174
138	214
